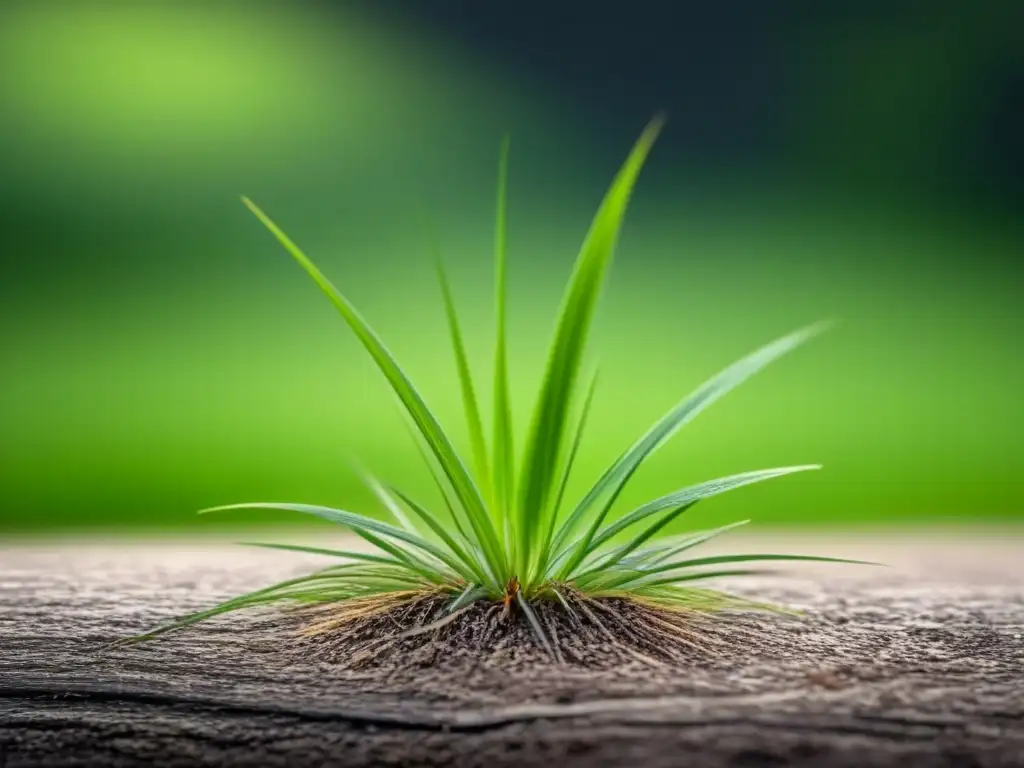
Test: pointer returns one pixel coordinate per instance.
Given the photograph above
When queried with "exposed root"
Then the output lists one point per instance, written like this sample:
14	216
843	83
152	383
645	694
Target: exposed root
416	628
347	614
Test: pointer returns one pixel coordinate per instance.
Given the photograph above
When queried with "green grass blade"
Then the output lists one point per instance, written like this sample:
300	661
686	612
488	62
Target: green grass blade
676	499
468	563
637	542
638	587
649	576
660	550
361	525
469	402
555	563
539	472
428	567
435	437
618	474
705	600
440	480
504	473
382	496
234	604
339	553
471	593
747	558
689	542
255	597
459	562
363	578
541	564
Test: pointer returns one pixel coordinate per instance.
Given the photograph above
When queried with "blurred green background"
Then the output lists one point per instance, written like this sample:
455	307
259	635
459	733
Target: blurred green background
161	353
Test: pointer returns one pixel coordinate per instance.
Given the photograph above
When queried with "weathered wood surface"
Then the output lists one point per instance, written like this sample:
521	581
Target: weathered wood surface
918	664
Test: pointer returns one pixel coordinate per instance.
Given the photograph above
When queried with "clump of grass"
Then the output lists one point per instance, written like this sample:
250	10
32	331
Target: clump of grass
506	533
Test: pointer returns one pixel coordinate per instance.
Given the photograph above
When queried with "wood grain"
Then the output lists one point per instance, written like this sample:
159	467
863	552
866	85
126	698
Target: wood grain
917	664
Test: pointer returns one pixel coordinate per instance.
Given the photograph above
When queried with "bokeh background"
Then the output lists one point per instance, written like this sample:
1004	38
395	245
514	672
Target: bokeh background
860	161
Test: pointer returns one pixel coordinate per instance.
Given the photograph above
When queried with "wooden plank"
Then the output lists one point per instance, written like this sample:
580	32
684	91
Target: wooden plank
918	664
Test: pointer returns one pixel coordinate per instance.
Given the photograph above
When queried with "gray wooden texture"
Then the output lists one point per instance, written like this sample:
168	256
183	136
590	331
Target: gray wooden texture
917	664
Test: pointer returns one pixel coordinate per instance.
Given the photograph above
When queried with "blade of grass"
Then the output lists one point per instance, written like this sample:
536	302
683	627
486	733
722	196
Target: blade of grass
376	488
636	542
541	564
502	416
461	481
469	403
493	580
703	600
693	541
654	575
644	554
566	351
747	558
440	481
687	577
457	551
437	474
363	525
675	545
430	568
471	593
358	578
241	601
614	479
339	553
678	498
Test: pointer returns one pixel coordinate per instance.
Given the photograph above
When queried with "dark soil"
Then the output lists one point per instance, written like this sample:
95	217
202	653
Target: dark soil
921	664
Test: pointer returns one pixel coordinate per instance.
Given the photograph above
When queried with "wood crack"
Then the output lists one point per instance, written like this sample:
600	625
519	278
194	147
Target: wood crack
624	711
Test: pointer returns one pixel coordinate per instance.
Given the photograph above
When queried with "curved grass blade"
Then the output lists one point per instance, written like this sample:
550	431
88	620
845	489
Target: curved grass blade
614	478
658	551
651	575
675	499
428	425
359	579
377	489
566	352
437	474
339	553
504	473
471	548
469	403
384	494
635	543
541	564
471	593
430	568
704	600
265	594
689	542
684	578
361	525
468	562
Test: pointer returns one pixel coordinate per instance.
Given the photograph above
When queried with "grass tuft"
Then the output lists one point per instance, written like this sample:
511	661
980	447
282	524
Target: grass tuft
504	535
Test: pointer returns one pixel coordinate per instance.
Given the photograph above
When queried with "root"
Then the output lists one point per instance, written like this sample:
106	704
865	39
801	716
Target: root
416	627
344	613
